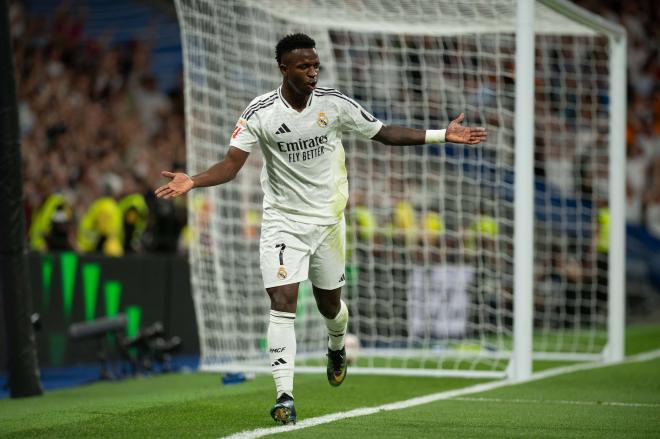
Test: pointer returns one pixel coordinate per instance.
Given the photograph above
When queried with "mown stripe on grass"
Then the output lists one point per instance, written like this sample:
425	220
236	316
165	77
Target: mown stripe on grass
558	401
312	422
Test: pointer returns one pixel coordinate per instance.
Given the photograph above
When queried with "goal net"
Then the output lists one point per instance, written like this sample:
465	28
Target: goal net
430	228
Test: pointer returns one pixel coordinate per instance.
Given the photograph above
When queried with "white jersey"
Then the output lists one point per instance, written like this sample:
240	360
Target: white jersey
304	172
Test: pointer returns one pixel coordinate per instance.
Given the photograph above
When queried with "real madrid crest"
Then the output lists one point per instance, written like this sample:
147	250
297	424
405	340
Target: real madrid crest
322	120
281	273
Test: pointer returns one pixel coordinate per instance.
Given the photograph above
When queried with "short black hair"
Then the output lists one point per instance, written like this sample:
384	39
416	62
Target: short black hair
292	42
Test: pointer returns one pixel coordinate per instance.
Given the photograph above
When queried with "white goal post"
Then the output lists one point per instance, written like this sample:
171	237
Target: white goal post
434	286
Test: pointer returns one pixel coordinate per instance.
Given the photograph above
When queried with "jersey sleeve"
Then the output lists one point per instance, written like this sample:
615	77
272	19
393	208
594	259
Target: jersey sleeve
244	135
355	118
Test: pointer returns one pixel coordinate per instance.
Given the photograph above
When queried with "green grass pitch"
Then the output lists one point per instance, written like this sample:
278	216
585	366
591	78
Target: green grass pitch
576	405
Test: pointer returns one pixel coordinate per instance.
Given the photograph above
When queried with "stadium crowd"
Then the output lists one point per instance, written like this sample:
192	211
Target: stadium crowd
96	130
640	19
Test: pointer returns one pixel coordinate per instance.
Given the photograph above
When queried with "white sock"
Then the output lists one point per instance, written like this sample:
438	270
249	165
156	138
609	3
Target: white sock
337	328
282	349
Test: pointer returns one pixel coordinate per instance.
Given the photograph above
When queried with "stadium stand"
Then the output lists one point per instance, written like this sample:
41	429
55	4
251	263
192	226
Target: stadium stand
112	71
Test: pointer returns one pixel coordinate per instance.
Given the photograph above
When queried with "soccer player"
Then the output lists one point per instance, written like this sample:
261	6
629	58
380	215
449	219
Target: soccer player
298	128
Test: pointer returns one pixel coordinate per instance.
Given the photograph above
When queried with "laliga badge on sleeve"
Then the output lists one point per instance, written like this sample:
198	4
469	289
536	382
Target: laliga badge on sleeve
240	125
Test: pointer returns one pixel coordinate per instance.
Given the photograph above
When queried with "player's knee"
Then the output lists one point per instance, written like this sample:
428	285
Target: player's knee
329	310
283	298
281	302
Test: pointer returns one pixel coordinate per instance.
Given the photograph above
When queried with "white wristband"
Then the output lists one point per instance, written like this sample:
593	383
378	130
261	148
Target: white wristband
435	136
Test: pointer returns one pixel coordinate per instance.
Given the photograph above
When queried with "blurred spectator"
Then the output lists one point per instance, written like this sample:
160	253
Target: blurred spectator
636	174
152	104
652	199
559	168
653	215
167	219
60	236
134	214
564	287
100	228
51	227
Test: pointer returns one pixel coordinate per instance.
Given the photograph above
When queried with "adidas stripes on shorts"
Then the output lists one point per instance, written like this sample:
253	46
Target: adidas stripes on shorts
292	252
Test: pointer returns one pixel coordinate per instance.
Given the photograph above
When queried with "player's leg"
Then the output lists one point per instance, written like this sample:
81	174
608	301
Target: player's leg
284	264
282	348
335	313
326	271
282	336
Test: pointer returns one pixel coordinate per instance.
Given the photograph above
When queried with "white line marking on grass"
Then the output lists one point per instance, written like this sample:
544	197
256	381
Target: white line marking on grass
644	356
559	401
311	422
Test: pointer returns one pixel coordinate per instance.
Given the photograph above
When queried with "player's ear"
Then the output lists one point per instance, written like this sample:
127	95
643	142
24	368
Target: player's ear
283	69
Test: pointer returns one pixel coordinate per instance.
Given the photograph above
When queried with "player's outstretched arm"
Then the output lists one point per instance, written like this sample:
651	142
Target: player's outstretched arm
219	173
455	133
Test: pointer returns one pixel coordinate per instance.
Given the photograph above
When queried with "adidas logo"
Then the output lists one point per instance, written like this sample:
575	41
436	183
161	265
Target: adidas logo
283	129
342	278
278	362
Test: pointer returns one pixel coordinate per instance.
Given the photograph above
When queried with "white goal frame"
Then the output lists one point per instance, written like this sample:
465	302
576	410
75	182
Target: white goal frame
524	27
520	368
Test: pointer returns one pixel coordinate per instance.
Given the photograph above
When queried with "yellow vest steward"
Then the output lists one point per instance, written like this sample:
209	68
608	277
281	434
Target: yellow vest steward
102	219
134	201
42	220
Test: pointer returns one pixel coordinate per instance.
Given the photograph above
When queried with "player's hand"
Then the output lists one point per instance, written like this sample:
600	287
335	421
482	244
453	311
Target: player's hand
456	133
179	185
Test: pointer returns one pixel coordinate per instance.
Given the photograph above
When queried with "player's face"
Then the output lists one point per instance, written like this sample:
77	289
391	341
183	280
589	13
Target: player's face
300	69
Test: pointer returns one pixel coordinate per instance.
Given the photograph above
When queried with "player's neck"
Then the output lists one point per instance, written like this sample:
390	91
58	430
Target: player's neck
297	101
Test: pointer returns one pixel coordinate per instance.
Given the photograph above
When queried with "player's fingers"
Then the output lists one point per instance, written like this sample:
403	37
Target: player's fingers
163	188
165	193
478	139
167	174
459	119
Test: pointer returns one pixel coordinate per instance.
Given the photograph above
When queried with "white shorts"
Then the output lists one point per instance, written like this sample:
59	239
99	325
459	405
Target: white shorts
292	252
